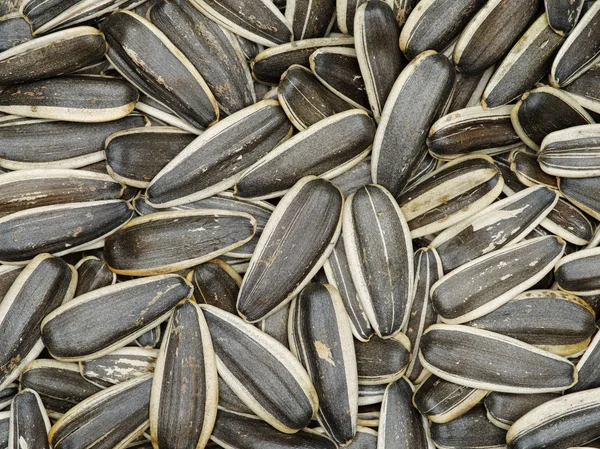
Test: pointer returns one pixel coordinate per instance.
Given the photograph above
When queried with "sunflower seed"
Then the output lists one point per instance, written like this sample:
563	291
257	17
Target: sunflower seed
321	338
570	420
583	193
261	372
400	425
149	60
278	271
217	284
527	61
6	397
355	178
8	274
503	409
578	272
586	89
119	366
345	12
249	49
183	402
545	110
14	30
572	153
276	325
92	274
85	99
370	394
137	155
310	19
213	162
59	385
160	115
368	415
150	339
485	360
442	401
131	308
450	194
479	47
503	223
588	372
215	52
473	130
229	401
434	24
524	165
109	419
379	57
563	16
344	139
468	90
29	423
568	222
382	361
338	70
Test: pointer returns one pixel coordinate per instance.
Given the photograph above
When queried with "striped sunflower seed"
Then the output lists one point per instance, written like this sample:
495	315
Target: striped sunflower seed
580	51
214	51
527	61
59	385
79	330
150	339
583	193
441	401
380	257
486	283
161	115
371	394
40	288
569	223
578	272
85	99
473	130
14	29
213	162
276	325
544	110
92	274
93	422
381	361
8	274
368	416
355	178
379	57
338	70
468	89
503	409
502	223
401	425
183	402
35	143
261	372
524	164
450	194
119	366
434	24
586	89
479	46
346	12
482	359
6	397
427	165
277	270
194	236
249	49
588	372
217	284
551	320
229	401
135	156
572	152
321	339
344	139
29	423
563	16
150	61
51	55
416	101
310	19
270	64
570	420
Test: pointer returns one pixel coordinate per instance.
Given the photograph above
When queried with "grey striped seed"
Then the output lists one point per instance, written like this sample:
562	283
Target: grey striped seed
371	394
468	89
580	51
85	99
342	141
119	366
6	397
450	194
148	59
97	323
40	288
355	178
29	423
193	236
92	274
400	425
381	361
321	339
481	359
586	89
270	64
572	152
479	46
217	284
379	57
503	409
588	367
213	162
276	325
261	372
150	339
502	223
524	164
93	422
346	12
583	193
229	401
570	420
527	61
569	223
486	283
310	19
8	274
416	101
279	269
161	115
578	272
183	402
473	130
563	16
544	110
14	29
441	401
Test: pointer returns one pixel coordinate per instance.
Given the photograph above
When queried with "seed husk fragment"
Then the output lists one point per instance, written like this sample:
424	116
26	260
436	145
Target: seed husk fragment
29	423
119	366
503	409
382	361
572	152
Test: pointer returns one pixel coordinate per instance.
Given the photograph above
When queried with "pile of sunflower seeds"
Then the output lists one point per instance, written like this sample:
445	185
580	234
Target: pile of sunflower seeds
271	224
